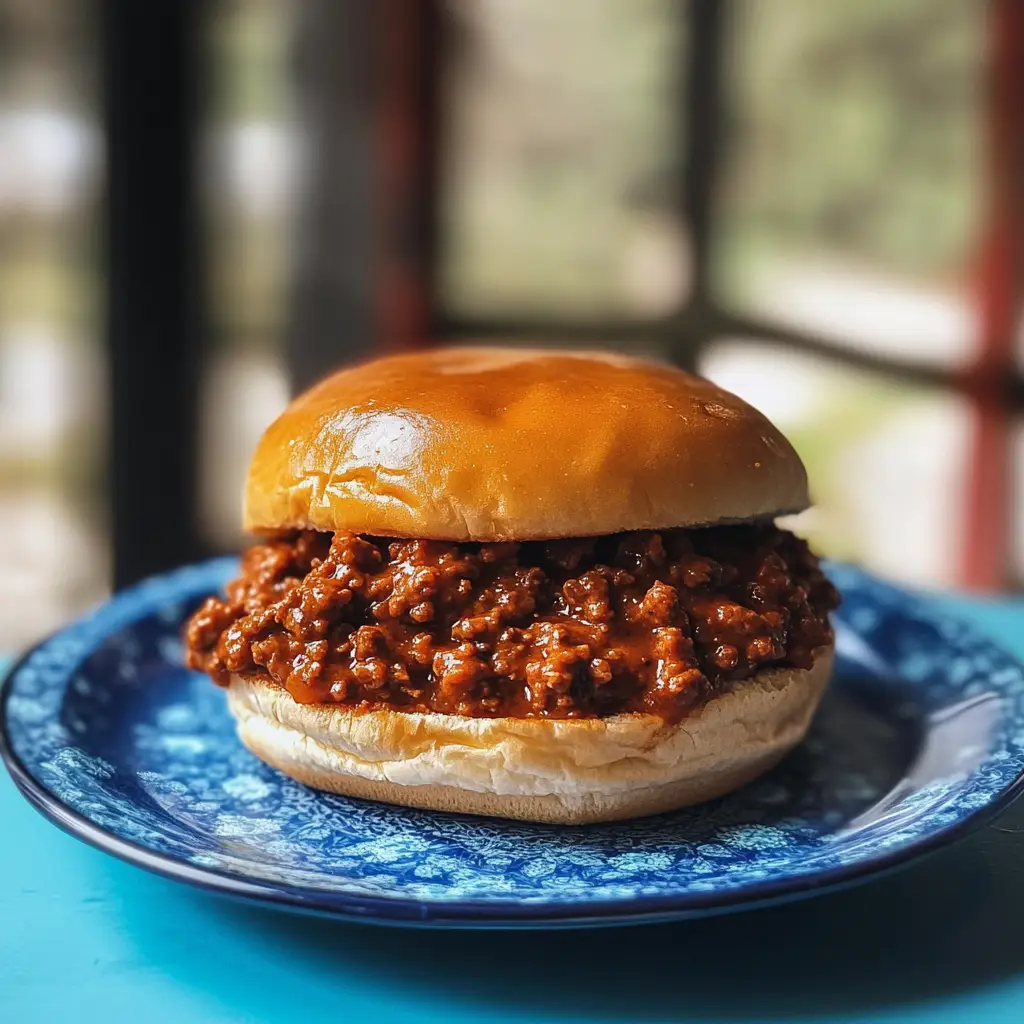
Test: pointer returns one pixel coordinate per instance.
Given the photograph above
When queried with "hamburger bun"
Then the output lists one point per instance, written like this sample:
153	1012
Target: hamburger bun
567	772
489	444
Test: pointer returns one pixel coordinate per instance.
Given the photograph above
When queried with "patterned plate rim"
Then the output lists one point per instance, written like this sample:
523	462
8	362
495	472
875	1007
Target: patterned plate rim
144	597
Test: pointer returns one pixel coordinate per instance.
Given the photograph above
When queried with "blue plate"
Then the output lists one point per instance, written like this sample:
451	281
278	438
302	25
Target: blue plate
919	740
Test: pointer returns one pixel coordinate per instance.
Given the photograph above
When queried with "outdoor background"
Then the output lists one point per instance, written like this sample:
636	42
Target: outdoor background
850	207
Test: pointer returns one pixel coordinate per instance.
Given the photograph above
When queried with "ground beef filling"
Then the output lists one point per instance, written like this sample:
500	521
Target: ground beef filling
649	622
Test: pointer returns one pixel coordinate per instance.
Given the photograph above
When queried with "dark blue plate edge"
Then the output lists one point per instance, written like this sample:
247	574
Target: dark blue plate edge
404	912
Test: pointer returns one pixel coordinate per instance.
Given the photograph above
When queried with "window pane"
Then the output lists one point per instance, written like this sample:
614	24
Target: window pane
53	547
887	463
250	163
851	198
562	158
242	391
250	170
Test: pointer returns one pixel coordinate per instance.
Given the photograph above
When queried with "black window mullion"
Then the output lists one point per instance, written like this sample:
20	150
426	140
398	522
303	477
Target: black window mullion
154	272
702	105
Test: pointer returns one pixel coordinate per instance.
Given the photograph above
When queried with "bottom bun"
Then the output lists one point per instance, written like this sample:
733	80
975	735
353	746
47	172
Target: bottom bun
567	771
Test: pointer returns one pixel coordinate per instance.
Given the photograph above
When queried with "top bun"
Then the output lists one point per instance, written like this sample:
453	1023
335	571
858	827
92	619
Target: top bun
492	444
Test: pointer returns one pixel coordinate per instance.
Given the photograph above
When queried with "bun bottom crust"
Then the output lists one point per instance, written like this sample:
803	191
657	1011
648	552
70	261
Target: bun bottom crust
563	771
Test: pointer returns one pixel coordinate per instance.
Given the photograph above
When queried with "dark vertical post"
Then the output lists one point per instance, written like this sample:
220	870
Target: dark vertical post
150	95
410	33
363	265
987	543
704	115
704	124
331	316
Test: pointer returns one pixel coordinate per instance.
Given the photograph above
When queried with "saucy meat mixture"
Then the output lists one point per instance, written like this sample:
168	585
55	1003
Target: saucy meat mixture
582	628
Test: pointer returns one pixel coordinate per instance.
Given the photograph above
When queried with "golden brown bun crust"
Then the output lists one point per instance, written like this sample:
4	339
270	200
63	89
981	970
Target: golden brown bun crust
565	771
495	444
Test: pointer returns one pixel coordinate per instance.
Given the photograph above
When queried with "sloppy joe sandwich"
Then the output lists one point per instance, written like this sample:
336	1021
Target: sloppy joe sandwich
531	584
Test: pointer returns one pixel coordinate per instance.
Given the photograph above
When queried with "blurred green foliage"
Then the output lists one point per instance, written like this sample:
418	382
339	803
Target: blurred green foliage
857	128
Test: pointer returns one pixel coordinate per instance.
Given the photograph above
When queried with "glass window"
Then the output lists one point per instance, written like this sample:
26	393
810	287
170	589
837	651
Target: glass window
561	163
851	196
249	187
53	544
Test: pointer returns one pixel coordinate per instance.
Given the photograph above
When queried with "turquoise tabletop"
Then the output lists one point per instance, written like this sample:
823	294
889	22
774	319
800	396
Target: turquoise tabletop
84	938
